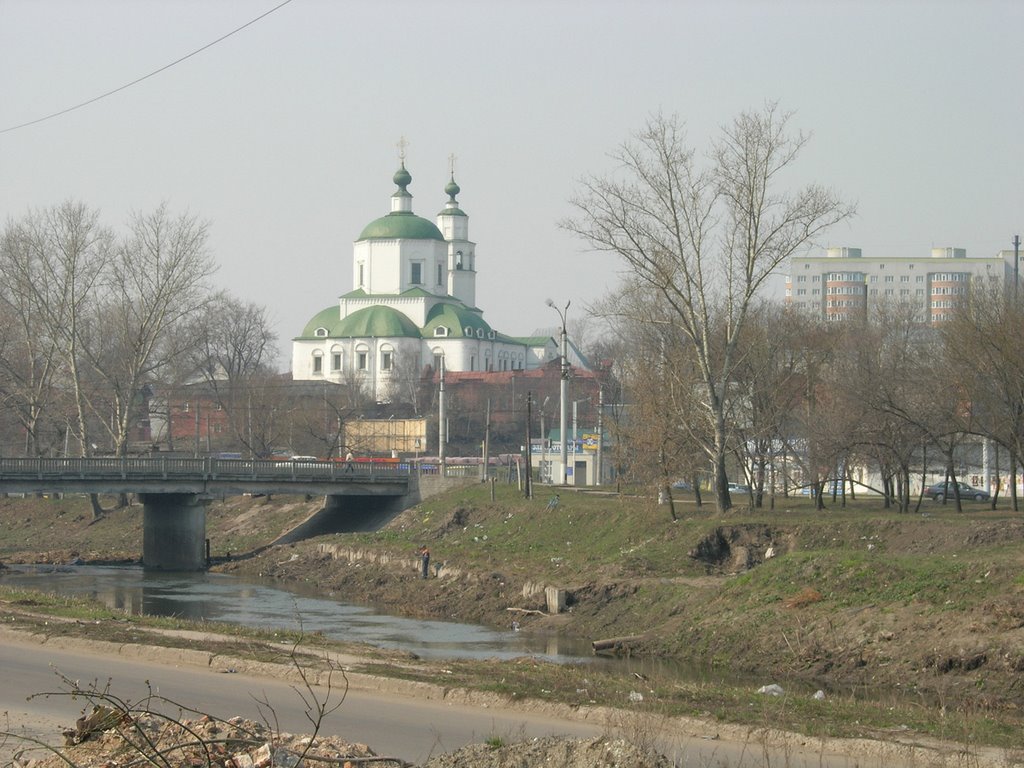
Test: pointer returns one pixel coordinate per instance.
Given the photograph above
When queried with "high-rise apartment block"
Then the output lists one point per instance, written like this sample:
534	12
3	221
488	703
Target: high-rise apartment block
844	284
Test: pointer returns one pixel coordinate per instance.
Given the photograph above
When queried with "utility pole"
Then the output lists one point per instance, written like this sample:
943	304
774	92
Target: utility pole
442	423
1016	267
485	468
528	484
563	389
600	432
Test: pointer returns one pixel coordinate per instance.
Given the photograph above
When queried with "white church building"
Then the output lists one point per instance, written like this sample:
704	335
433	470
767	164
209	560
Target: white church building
413	305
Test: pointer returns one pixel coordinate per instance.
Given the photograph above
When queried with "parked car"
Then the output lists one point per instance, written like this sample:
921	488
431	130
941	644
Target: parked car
681	485
940	491
738	488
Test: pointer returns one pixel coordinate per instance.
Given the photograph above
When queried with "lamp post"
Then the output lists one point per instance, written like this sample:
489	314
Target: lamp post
564	388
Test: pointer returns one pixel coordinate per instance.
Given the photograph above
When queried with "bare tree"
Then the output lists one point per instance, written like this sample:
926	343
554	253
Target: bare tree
883	371
707	238
232	346
984	355
57	261
156	282
771	379
30	356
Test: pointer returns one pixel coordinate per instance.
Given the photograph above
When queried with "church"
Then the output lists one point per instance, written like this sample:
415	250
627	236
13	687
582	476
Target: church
413	305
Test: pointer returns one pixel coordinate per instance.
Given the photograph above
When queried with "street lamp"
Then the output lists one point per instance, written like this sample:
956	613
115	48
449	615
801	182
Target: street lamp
564	388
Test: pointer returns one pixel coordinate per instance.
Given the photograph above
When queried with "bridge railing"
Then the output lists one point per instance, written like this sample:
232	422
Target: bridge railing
129	467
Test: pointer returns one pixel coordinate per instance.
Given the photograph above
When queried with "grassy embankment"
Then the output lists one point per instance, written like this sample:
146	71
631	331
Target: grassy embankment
912	623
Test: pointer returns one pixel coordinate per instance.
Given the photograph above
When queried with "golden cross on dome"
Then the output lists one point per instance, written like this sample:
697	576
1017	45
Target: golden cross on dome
402	144
451	164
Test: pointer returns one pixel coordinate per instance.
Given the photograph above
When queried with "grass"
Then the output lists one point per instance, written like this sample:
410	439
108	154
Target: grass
854	576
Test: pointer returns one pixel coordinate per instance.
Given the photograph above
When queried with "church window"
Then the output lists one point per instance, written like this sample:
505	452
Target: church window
479	333
417	273
458	259
468	330
362	360
361	274
336	361
440	273
441	330
318	362
438	360
387	360
472	362
320	332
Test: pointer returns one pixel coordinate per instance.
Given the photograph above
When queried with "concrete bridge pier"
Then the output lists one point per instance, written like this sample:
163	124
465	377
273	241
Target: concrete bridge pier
173	532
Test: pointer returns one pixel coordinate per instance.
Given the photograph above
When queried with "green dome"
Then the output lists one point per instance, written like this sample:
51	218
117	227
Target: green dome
327	318
376	322
379	322
457	318
402	177
401	225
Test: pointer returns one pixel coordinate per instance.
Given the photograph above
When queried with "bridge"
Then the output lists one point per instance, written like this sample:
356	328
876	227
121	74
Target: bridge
174	491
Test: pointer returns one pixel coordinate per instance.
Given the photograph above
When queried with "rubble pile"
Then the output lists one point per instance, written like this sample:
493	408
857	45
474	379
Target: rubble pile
111	739
553	751
108	738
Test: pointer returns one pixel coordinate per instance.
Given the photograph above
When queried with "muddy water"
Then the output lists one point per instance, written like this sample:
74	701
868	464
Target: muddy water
225	598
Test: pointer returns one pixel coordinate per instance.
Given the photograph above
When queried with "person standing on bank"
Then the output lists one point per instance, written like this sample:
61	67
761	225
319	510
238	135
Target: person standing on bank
425	560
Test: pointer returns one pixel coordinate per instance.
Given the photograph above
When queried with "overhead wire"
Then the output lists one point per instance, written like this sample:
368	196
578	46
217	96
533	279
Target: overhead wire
147	76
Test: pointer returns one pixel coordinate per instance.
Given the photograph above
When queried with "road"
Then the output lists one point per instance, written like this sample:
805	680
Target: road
401	726
393	725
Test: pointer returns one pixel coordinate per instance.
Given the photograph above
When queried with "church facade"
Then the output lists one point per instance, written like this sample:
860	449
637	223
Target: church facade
413	305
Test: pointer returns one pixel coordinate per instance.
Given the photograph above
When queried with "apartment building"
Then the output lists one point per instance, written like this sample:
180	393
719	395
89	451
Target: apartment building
844	284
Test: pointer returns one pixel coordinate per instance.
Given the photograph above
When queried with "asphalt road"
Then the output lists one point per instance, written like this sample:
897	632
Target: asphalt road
403	726
393	725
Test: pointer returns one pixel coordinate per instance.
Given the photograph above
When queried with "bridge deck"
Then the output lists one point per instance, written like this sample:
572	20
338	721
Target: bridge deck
198	475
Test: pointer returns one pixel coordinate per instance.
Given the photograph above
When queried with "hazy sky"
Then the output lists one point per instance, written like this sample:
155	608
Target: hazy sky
284	135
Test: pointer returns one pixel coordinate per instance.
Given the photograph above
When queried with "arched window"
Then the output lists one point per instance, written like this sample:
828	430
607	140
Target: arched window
318	362
362	358
387	357
337	356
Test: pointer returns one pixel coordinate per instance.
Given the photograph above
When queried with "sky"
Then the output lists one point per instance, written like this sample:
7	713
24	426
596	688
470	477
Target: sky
284	136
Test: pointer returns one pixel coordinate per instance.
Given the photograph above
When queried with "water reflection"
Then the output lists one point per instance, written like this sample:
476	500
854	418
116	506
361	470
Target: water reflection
226	598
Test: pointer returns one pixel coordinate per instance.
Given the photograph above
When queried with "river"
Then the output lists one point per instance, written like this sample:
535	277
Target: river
225	598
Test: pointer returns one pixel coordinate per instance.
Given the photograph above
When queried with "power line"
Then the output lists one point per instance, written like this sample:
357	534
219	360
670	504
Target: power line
145	77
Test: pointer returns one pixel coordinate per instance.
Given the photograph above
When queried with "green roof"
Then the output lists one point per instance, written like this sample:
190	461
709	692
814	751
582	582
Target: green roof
452	212
379	322
401	225
327	318
455	317
414	292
